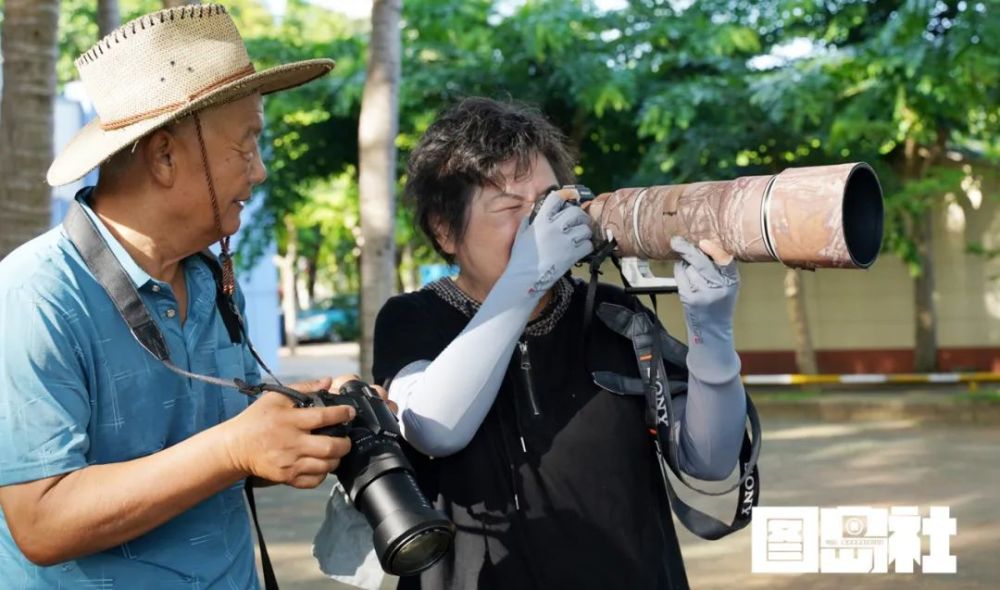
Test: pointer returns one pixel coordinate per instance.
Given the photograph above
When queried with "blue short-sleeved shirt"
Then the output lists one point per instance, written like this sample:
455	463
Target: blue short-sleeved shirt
76	389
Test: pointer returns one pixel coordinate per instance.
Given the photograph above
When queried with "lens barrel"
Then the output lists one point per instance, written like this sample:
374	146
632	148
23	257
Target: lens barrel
409	534
811	217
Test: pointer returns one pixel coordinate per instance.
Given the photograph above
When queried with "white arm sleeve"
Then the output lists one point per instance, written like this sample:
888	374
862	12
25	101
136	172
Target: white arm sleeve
443	402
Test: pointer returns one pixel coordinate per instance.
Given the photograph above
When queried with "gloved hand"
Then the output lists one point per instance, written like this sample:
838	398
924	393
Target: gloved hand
708	293
545	248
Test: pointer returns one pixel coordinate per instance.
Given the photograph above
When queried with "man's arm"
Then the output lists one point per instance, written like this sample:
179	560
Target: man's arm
100	506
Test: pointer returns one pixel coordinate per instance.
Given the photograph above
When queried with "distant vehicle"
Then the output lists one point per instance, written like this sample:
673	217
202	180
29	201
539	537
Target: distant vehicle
329	320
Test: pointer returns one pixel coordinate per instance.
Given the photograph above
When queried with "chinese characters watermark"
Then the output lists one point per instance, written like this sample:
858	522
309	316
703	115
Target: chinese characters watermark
851	539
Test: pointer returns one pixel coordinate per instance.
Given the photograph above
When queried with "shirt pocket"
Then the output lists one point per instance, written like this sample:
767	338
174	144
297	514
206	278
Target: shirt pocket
229	365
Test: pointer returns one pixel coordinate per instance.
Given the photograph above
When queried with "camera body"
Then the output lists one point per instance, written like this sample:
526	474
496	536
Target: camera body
373	415
409	535
583	195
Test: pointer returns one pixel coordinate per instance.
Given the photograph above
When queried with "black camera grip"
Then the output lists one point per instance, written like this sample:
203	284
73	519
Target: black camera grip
324	398
334	430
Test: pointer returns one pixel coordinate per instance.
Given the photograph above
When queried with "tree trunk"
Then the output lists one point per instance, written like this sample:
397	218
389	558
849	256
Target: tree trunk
377	129
27	118
918	163
173	3
289	287
926	347
408	276
108	18
312	270
805	355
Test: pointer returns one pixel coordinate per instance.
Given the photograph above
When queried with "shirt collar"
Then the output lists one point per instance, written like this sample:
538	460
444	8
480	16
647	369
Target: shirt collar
132	269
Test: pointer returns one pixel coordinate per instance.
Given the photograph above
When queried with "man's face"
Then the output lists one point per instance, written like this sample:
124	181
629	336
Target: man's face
493	218
231	133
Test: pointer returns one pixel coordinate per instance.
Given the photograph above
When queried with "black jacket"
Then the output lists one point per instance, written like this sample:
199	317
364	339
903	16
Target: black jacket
580	503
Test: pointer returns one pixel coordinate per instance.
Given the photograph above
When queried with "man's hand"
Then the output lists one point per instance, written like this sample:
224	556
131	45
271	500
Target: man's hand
273	440
62	517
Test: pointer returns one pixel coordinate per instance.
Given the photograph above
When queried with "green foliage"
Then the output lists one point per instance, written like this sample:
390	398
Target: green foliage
310	140
896	83
78	29
663	92
660	92
329	224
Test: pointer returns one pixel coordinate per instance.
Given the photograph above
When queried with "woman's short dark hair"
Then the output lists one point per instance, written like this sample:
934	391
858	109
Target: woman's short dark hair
466	148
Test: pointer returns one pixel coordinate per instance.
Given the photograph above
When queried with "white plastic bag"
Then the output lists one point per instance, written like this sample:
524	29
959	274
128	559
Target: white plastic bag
343	546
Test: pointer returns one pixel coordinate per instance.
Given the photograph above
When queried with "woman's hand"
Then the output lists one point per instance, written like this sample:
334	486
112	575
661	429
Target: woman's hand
550	244
708	288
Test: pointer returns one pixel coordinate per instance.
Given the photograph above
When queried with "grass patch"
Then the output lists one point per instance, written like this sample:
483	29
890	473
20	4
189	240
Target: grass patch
983	395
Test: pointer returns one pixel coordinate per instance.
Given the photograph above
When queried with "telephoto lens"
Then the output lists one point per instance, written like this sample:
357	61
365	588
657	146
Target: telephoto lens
409	535
811	217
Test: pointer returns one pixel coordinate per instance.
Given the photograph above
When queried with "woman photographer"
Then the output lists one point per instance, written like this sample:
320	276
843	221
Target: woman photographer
551	481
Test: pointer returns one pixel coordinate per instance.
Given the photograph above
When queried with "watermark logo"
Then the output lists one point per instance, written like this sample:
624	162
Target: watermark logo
851	540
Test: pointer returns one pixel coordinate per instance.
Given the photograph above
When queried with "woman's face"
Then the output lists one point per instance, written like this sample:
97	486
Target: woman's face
493	217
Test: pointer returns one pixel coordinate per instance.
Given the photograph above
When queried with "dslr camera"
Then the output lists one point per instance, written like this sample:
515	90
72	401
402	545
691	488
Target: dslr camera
409	535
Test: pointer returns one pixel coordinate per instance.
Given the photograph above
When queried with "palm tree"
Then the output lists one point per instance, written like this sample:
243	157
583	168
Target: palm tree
377	129
30	49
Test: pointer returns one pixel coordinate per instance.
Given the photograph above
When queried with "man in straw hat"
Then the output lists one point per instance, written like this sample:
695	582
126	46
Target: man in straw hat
115	470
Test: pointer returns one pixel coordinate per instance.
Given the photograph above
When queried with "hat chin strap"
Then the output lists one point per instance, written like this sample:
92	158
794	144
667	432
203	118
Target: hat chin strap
228	276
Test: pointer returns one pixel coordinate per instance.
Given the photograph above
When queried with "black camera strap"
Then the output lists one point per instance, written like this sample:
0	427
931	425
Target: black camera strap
652	344
108	271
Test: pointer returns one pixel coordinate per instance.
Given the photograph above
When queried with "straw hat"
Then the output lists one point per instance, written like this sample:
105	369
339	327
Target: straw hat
159	68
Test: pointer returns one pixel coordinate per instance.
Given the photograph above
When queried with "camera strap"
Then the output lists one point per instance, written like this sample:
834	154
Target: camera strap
652	345
108	271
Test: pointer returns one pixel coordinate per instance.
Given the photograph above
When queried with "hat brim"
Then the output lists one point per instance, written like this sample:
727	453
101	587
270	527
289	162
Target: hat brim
93	145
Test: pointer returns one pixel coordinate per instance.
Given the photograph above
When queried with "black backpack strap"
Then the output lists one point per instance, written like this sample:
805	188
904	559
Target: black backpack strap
231	317
594	262
270	581
227	307
111	275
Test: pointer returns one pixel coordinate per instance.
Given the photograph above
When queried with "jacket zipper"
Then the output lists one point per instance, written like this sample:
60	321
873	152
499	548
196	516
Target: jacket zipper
506	450
528	387
526	381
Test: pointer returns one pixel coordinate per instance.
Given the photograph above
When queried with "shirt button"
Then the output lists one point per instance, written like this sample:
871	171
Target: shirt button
156	288
171	313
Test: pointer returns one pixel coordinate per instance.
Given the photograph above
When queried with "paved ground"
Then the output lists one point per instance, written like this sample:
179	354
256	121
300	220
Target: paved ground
808	460
318	360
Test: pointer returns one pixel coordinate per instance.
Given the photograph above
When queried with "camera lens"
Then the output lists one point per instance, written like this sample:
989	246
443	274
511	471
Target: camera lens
410	536
418	551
